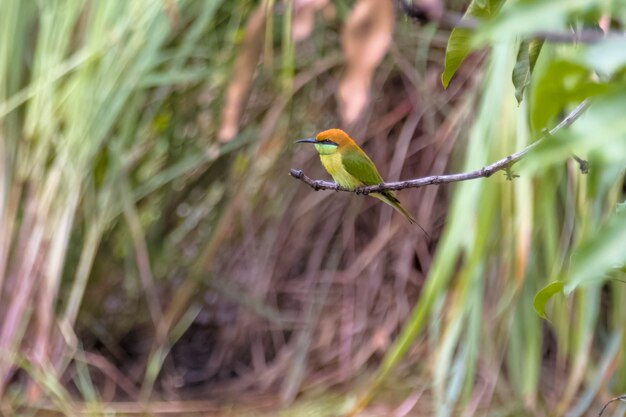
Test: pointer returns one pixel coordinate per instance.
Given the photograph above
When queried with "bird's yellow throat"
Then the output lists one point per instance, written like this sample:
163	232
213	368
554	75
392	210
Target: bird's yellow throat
324	149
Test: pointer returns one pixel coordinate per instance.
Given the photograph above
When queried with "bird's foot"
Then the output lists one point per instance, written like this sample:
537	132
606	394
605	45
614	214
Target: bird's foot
510	175
583	164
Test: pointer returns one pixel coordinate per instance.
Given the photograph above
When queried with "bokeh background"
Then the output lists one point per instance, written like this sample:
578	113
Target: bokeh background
156	257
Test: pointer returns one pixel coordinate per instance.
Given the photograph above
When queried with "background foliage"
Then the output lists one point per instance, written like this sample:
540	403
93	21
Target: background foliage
154	253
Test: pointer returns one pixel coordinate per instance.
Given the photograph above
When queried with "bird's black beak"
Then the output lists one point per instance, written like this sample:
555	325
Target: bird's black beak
307	140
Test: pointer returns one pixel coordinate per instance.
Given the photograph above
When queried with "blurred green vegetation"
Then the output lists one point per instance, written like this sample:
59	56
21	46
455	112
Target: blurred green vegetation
156	257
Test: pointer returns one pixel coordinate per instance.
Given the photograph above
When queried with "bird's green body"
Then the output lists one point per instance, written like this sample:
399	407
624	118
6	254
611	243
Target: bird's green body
334	162
350	167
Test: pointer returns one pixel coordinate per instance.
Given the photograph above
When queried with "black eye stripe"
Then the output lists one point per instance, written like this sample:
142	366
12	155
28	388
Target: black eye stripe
328	142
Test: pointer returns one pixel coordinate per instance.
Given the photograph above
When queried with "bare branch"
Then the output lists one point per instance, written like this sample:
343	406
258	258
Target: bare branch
422	14
621	398
485	172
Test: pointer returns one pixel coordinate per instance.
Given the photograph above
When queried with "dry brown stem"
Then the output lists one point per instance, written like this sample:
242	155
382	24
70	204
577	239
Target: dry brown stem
423	13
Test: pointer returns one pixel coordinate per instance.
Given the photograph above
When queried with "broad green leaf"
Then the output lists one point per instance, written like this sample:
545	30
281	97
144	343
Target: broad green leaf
557	84
526	59
596	256
598	135
602	129
607	57
544	295
526	17
533	52
459	43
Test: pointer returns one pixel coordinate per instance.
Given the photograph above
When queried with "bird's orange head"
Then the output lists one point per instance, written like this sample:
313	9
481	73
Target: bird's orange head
331	141
335	136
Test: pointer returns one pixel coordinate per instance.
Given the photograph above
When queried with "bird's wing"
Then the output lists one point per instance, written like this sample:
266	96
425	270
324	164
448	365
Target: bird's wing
361	167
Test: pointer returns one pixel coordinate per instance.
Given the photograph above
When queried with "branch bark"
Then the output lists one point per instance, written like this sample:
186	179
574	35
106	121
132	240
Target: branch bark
422	14
503	164
621	398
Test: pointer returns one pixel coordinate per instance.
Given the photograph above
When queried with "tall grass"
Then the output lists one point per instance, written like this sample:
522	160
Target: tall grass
153	246
507	238
82	90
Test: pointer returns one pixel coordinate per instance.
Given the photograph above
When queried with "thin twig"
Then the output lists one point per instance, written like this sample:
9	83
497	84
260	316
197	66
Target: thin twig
503	164
621	398
422	14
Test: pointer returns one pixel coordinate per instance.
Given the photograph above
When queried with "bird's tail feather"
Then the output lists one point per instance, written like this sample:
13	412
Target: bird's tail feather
395	203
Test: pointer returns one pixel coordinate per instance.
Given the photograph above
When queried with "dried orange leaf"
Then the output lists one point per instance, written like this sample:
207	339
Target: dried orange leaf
366	39
245	66
304	18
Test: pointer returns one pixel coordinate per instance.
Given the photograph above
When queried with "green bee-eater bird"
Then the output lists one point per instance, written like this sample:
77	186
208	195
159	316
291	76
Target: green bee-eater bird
350	167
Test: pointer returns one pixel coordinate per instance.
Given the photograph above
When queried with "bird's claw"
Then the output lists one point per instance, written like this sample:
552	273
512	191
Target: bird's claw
510	175
583	164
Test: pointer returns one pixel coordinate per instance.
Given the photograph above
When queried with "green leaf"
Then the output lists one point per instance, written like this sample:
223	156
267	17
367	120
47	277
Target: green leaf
607	57
601	131
459	43
557	84
598	255
533	52
526	59
525	17
599	135
544	295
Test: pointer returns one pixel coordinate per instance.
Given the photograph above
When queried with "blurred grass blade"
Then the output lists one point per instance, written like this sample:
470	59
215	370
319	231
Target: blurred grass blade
599	253
611	352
